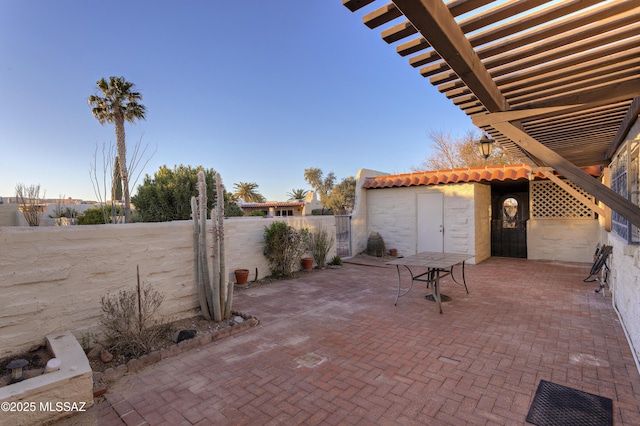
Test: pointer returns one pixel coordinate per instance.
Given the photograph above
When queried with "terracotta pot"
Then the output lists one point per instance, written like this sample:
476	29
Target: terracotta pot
241	276
393	252
307	263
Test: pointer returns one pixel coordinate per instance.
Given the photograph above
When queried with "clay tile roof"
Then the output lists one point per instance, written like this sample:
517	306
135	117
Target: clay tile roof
472	174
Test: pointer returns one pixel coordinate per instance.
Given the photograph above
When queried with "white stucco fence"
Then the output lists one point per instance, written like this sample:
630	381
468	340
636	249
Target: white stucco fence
52	278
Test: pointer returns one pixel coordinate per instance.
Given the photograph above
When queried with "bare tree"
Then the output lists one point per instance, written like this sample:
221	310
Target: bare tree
451	153
30	203
110	178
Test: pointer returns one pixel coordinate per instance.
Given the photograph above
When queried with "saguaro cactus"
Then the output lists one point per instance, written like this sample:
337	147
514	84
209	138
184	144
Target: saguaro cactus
216	295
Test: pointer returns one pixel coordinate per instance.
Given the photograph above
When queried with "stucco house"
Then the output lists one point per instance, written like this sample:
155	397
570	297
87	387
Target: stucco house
506	211
302	207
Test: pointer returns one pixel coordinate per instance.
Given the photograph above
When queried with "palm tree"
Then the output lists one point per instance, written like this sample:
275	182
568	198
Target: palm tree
297	194
115	103
247	191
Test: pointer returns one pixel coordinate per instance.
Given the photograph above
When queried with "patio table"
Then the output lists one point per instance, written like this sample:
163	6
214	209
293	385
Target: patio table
438	265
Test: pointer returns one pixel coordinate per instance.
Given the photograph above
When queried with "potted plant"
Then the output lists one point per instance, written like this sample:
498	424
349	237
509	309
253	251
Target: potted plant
307	263
241	276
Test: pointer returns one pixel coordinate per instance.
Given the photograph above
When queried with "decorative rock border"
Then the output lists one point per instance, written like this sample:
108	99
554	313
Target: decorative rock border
101	380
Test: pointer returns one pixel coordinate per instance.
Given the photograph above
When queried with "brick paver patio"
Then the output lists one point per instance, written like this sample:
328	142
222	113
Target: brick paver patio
332	349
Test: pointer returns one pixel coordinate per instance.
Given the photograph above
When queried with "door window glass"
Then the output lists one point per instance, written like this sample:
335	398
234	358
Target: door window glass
510	213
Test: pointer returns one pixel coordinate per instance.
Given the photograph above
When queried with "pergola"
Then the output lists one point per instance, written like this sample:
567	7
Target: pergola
556	83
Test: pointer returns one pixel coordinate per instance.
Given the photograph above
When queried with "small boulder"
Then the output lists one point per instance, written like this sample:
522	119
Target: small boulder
106	356
181	335
94	352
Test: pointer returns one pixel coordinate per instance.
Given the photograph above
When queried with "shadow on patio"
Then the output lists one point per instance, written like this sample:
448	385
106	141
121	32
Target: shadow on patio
332	349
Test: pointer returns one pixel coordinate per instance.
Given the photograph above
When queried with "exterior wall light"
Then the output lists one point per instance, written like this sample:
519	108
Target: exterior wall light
485	146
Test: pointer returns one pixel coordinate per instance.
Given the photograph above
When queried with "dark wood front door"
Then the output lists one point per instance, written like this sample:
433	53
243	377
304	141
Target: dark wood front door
510	212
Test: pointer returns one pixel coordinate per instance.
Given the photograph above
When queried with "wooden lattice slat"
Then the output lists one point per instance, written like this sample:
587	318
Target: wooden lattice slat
548	201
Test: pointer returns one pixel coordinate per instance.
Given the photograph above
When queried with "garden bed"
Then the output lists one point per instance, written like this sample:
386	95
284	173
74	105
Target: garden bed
206	332
37	358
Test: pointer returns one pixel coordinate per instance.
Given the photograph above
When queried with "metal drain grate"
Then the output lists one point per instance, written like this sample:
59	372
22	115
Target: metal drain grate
555	404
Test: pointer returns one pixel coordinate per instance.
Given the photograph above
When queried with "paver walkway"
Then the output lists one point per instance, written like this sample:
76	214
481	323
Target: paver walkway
332	349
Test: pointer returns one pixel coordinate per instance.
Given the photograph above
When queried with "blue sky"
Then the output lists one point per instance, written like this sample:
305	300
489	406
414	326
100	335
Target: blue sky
257	90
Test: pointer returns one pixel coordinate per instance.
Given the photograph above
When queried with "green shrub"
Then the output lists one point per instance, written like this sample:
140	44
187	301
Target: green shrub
284	247
336	260
97	216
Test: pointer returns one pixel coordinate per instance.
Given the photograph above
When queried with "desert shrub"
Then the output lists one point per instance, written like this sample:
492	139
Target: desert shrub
127	319
319	242
284	246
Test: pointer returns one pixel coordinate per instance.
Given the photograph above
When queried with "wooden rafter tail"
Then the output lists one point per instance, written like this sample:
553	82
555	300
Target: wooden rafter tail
434	21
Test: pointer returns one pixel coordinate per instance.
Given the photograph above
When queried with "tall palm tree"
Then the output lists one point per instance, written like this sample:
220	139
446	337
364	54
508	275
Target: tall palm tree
297	194
248	192
117	102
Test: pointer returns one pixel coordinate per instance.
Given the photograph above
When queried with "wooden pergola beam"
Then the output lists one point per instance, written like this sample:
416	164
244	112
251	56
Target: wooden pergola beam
436	24
604	94
629	119
489	119
574	102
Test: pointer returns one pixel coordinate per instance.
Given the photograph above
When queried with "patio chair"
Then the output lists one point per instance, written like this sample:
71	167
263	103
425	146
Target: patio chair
600	268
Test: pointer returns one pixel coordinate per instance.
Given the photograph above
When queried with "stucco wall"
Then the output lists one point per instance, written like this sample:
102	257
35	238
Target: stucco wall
10	215
482	207
625	275
625	284
359	228
391	212
459	218
564	240
52	278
